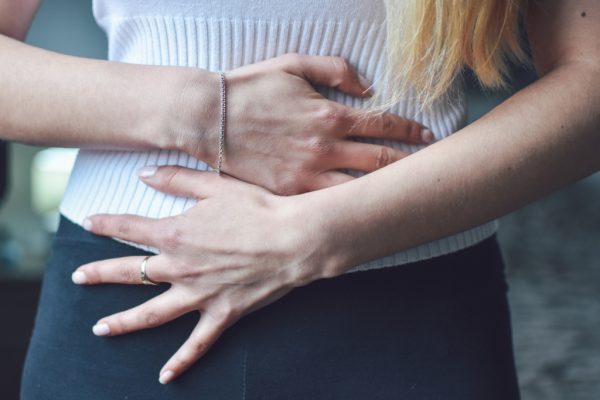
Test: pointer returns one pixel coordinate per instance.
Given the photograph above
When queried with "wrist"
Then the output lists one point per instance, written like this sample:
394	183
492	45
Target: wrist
323	250
193	114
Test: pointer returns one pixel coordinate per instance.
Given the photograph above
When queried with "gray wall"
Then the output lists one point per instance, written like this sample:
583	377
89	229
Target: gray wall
552	251
551	247
65	26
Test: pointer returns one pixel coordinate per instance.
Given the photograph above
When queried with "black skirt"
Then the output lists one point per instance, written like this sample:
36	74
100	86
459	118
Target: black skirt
434	329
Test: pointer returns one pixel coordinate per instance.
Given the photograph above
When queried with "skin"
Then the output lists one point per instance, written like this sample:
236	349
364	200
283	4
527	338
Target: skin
110	105
242	247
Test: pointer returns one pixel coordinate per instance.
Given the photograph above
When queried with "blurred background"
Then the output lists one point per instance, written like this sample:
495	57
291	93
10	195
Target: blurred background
552	247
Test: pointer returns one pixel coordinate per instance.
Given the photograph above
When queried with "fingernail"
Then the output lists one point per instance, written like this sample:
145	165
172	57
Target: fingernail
165	377
365	84
147	172
101	329
427	135
79	277
87	224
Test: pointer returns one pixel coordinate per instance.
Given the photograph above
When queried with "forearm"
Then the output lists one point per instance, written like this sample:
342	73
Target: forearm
542	138
52	99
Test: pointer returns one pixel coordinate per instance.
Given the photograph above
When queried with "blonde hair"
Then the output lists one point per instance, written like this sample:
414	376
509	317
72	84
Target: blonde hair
430	41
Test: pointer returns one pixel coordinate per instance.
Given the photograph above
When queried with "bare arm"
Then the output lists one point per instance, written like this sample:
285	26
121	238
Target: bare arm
48	98
241	247
16	17
279	130
542	138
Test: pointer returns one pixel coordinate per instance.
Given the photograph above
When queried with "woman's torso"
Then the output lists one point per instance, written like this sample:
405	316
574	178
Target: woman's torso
219	35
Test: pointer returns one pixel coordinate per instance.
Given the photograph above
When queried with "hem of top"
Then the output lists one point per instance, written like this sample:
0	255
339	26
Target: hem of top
393	260
316	18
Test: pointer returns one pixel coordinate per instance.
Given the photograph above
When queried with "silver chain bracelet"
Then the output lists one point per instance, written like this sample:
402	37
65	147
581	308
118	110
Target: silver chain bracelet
222	125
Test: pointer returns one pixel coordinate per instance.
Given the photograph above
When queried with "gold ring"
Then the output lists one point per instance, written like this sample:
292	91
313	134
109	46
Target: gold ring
143	276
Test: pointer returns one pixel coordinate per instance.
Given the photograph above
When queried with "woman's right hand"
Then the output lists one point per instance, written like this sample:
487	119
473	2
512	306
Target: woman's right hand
283	135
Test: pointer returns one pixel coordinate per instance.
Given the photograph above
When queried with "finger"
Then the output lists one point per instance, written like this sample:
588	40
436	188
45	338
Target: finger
386	125
128	227
185	181
365	157
155	312
328	179
334	72
124	270
204	335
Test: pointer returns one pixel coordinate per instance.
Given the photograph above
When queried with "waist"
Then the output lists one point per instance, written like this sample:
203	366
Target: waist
107	182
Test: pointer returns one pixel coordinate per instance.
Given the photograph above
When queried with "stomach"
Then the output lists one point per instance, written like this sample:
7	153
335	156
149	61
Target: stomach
107	182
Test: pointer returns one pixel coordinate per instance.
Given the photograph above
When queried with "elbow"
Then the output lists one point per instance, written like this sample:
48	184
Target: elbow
16	17
14	31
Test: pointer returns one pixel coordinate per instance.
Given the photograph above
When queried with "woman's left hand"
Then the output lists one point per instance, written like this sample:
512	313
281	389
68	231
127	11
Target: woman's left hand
238	249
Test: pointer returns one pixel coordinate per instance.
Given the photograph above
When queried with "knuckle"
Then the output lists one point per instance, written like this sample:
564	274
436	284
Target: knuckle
387	124
384	157
126	274
151	318
118	324
414	131
201	297
226	313
172	238
168	175
184	359
292	58
320	146
123	227
329	116
185	270
199	347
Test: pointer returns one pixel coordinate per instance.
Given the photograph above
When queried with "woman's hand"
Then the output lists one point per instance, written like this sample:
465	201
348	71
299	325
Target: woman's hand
285	136
235	251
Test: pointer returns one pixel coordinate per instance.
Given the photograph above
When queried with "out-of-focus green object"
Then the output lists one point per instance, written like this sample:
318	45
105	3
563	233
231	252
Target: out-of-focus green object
49	176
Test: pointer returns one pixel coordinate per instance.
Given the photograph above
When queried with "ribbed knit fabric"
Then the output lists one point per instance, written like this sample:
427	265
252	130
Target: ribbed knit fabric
222	35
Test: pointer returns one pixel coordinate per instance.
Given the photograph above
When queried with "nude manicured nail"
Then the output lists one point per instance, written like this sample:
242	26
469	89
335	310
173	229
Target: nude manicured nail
101	329
165	377
147	172
427	135
87	224
365	84
79	277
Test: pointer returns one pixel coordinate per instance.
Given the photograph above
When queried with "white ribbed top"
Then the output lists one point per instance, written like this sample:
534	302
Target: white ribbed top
222	35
